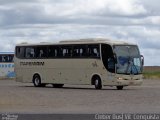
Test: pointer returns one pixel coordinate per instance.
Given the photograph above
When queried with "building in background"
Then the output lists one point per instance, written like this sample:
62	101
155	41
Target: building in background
6	65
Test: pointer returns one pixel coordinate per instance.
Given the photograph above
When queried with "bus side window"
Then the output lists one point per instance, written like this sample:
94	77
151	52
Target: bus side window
0	58
75	51
7	58
60	52
30	52
83	52
41	52
79	51
93	51
53	51
10	58
3	58
20	52
66	51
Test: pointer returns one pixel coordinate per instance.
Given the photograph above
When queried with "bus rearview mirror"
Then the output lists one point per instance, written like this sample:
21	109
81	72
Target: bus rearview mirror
142	59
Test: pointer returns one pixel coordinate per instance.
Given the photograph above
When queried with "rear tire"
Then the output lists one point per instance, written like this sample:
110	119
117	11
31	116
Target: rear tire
119	87
57	85
98	83
37	81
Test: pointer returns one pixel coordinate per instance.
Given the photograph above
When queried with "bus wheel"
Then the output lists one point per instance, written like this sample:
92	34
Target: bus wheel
119	87
57	85
37	81
97	83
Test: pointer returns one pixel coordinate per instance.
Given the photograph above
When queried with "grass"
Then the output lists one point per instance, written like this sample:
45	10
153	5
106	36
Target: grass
151	75
151	72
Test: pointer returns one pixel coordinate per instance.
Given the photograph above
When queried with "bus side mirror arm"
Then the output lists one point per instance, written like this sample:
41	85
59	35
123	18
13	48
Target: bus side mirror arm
115	57
142	59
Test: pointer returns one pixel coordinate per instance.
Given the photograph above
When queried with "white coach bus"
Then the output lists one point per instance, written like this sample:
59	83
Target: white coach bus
98	62
6	65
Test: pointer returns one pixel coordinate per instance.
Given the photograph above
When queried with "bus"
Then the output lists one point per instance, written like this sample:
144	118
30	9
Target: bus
98	62
6	65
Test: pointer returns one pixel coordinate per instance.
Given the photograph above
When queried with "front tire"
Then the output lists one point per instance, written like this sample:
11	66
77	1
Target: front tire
119	87
37	81
98	83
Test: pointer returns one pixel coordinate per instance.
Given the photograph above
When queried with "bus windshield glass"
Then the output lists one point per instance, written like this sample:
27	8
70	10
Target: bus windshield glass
128	59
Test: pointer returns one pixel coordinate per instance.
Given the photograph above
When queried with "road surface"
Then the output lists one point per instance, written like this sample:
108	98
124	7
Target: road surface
24	98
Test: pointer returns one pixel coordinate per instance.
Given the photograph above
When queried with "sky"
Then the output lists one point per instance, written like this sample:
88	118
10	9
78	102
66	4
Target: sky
34	21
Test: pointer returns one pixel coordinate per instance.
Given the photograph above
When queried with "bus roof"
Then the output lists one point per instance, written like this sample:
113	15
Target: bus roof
81	41
5	53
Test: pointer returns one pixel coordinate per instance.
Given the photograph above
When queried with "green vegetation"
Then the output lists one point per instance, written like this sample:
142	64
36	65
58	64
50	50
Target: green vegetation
151	75
151	72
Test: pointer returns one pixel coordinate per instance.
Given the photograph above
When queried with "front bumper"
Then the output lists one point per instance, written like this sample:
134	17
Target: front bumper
129	82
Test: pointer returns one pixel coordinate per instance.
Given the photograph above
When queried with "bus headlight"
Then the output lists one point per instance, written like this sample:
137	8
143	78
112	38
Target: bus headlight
119	78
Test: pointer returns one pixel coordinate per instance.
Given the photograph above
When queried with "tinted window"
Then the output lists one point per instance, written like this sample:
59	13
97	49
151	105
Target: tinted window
20	52
41	51
108	58
30	52
93	51
6	58
53	51
59	51
79	51
66	51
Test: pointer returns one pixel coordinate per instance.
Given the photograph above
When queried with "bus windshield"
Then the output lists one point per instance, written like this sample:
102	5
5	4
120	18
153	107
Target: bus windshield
128	59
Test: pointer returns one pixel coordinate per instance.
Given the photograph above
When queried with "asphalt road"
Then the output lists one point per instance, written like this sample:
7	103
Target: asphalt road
24	98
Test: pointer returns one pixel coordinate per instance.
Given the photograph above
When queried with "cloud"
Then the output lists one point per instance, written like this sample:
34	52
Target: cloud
53	20
54	12
96	7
